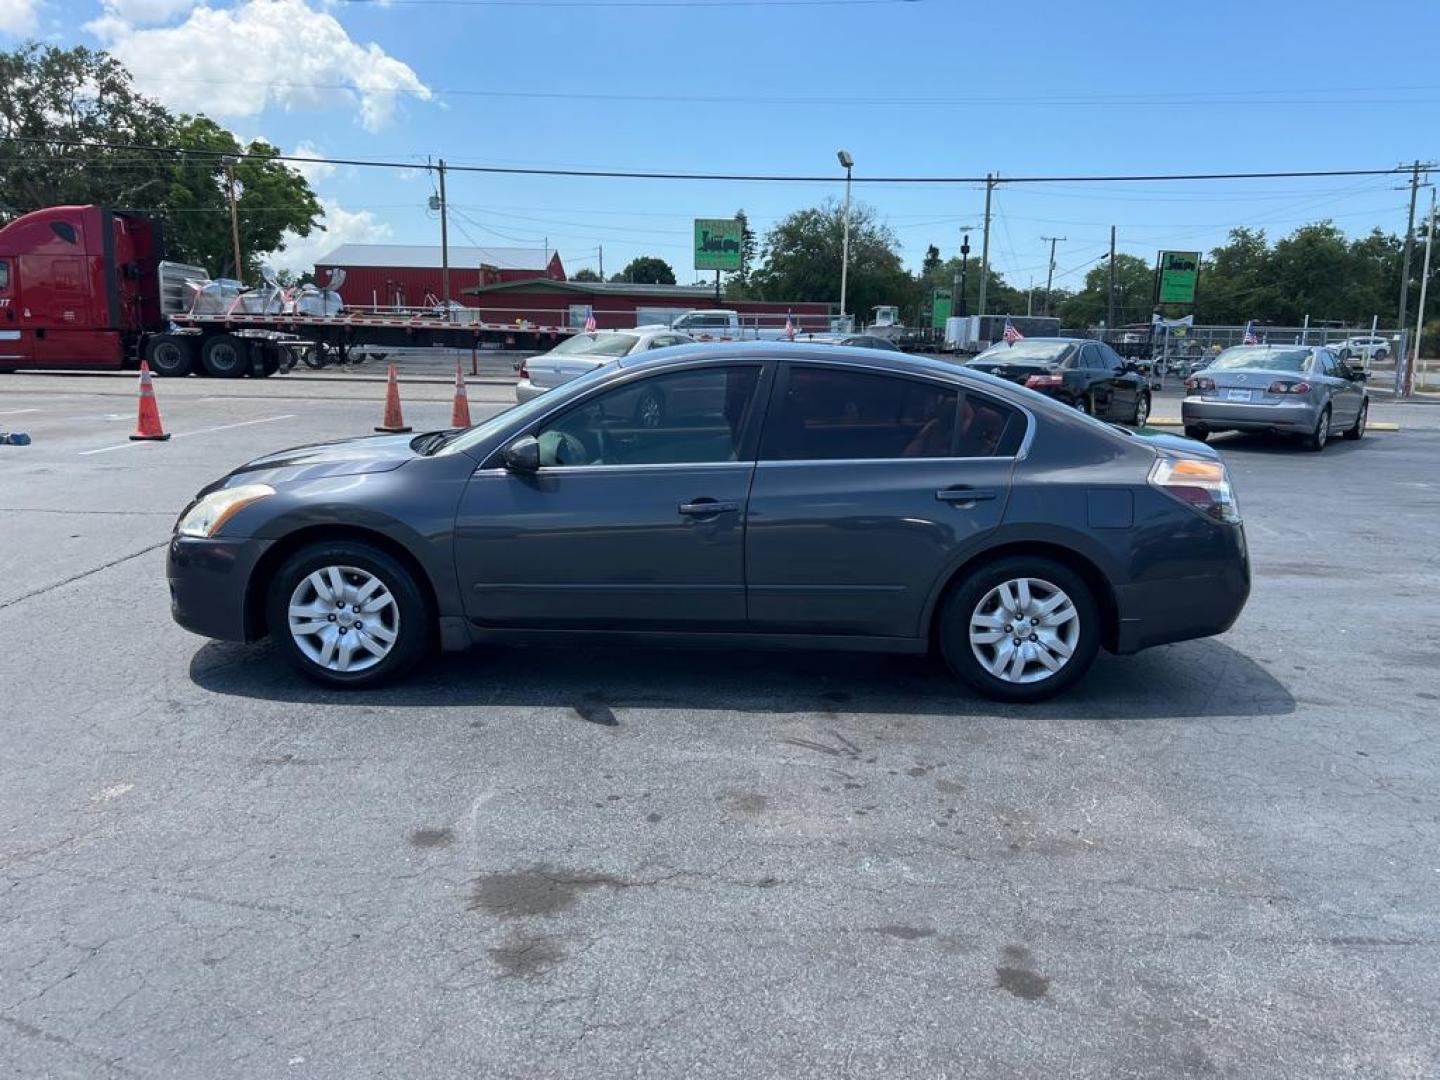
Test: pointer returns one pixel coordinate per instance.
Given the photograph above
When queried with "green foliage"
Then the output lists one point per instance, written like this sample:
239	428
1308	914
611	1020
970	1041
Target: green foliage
61	97
737	284
585	275
1134	289
646	270
802	260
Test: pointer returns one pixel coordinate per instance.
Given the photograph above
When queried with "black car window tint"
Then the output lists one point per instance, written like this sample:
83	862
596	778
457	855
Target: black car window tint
680	418
1112	358
4	274
1089	358
828	415
988	428
64	230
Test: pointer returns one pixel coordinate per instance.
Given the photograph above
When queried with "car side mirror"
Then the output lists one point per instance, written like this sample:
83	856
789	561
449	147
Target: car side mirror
523	455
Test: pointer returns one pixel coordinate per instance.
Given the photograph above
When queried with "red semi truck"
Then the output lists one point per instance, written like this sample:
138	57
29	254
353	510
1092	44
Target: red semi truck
83	288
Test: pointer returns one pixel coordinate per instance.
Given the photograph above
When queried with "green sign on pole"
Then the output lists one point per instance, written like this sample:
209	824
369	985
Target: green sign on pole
940	308
717	243
1179	277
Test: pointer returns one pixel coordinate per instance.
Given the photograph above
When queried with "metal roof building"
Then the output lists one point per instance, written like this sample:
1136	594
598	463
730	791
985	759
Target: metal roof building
402	275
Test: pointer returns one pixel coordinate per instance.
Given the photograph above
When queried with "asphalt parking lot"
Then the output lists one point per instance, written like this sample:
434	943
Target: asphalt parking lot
1219	858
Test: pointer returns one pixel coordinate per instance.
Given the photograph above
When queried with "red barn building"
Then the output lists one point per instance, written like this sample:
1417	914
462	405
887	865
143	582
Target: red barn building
619	306
403	275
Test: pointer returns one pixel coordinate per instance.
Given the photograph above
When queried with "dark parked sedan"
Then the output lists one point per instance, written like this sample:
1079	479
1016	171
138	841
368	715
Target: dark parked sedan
1089	375
780	495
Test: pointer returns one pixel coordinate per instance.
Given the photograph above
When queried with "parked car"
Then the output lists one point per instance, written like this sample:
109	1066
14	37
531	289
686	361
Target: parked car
856	341
1368	349
1283	389
1088	375
794	496
585	352
722	324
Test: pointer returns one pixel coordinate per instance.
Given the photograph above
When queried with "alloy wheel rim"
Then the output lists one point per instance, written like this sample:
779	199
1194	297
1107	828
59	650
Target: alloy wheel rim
1024	630
1364	418
1322	429
224	357
344	618
167	356
1142	412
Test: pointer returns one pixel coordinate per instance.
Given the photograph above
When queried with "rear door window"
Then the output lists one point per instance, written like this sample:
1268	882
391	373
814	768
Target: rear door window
826	414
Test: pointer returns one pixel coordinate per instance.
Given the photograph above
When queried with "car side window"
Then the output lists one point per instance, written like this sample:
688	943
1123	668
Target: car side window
988	428
1110	358
1327	364
677	418
1089	358
827	414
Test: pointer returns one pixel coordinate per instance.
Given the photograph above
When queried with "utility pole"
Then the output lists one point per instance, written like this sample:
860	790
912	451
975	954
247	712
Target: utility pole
1050	273
958	307
1405	269
847	163
1110	307
230	163
990	181
602	262
444	245
1420	310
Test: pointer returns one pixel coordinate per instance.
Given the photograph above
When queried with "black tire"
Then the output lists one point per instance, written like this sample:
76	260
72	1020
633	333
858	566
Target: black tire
1357	430
1379	355
415	626
1199	434
318	356
171	356
225	356
650	409
1344	354
1142	411
954	627
1318	438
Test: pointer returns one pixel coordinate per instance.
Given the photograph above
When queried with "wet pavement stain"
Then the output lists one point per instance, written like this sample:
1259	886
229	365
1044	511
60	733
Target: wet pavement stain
540	890
904	933
432	838
1016	977
523	957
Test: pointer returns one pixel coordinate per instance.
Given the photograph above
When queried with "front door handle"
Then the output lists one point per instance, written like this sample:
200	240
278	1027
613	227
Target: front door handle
708	508
966	495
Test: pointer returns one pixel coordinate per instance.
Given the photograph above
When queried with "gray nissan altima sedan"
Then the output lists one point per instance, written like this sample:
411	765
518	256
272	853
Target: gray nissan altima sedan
758	493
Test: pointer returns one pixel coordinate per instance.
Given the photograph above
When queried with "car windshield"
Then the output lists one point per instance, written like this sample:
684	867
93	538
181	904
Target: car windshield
1263	357
1027	352
516	414
600	344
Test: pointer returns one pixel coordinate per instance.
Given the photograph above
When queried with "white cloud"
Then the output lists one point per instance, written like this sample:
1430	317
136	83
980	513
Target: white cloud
341	227
313	170
147	11
221	62
17	16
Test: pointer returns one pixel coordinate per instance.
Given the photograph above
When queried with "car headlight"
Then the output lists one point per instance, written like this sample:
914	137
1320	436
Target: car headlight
206	516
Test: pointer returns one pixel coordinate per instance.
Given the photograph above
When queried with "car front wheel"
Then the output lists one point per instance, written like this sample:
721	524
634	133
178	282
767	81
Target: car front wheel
1357	429
1020	629
1142	411
348	614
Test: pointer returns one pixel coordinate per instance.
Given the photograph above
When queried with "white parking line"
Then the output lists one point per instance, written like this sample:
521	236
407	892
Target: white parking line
15	412
201	431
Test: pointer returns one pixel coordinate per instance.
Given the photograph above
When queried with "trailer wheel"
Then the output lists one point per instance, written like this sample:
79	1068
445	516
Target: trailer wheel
226	356
170	355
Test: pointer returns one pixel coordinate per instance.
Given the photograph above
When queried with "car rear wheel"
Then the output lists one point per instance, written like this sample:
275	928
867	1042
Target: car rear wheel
1321	435
1379	355
170	355
225	356
1199	434
1020	629
1344	354
1142	411
347	614
1357	429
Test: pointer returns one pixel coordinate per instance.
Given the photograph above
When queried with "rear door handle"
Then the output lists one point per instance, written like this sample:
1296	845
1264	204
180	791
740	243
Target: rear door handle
966	495
708	507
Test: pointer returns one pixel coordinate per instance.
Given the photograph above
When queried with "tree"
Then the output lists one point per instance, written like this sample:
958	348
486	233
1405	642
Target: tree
585	275
65	101
932	261
737	284
1236	283
802	260
1134	290
647	270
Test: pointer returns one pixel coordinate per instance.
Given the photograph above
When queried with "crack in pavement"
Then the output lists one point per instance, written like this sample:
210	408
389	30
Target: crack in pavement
83	574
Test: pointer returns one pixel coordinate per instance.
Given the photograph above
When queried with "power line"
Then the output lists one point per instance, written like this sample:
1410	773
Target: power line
639	174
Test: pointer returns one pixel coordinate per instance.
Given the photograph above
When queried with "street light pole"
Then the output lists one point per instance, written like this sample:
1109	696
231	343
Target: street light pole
847	162
1409	387
230	163
1050	274
964	267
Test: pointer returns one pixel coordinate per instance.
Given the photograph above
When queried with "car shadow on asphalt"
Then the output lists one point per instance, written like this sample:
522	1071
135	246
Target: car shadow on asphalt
1243	442
1193	679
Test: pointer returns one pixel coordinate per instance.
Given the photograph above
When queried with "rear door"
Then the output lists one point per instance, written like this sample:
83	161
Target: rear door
1125	386
869	486
1345	393
14	344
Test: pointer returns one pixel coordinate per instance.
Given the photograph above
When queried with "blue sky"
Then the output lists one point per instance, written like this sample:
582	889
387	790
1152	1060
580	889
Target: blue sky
918	87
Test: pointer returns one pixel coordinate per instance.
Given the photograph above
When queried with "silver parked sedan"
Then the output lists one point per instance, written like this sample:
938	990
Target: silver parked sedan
587	351
1282	389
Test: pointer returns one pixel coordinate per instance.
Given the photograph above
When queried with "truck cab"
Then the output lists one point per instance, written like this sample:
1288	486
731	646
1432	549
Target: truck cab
76	288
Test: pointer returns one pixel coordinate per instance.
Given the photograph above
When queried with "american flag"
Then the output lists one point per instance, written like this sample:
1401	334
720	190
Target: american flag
589	320
1012	335
789	328
1250	338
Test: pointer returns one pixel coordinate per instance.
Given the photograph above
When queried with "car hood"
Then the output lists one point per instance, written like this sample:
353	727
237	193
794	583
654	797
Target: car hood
348	457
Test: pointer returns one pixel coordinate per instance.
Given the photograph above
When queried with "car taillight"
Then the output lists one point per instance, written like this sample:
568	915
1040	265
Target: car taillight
1036	382
1199	386
1201	485
1288	388
524	371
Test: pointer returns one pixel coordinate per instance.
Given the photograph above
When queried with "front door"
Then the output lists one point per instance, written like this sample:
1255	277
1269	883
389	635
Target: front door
635	519
14	344
868	489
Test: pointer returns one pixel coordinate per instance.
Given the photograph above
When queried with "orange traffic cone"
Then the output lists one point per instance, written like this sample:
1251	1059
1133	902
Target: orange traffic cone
147	424
393	423
460	415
